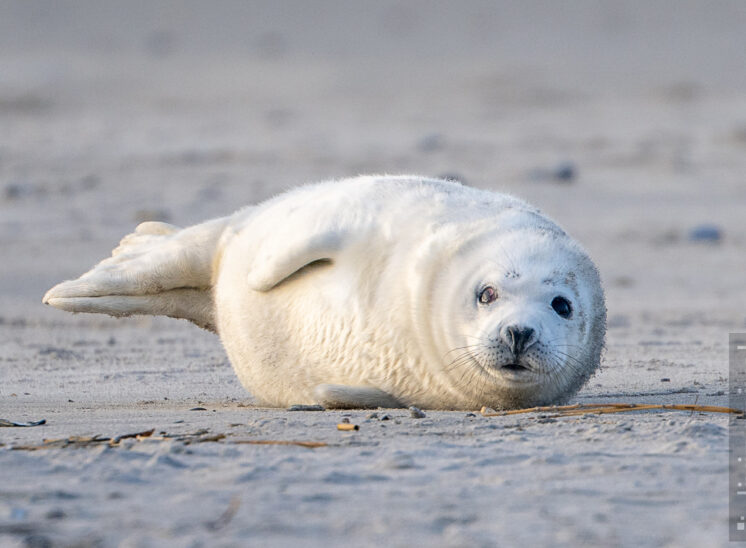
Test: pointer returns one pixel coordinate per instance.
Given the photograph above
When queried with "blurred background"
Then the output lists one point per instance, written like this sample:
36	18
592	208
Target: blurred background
625	121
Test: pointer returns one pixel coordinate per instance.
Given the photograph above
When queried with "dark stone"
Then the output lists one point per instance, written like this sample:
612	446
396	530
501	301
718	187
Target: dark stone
707	233
301	407
416	413
430	143
565	172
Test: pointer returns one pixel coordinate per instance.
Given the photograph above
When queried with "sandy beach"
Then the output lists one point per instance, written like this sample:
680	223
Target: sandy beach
626	123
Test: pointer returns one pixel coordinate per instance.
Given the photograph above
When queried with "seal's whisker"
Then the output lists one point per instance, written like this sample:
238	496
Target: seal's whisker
561	373
468	346
569	357
567	367
485	341
459	361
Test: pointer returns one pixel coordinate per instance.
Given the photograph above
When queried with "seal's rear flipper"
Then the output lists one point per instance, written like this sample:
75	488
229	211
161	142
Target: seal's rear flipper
338	396
157	270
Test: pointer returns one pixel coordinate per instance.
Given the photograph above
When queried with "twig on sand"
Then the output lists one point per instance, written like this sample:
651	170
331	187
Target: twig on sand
604	408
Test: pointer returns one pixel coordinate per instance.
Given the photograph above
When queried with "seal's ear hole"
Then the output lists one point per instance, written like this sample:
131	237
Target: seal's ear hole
562	307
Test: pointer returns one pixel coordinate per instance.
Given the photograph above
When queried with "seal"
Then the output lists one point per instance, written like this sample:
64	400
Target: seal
376	291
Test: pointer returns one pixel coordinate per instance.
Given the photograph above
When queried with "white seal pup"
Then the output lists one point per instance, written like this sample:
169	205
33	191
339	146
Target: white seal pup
372	291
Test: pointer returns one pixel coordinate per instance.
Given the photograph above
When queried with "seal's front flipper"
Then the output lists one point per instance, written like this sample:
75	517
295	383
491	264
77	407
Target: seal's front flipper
274	264
157	270
338	396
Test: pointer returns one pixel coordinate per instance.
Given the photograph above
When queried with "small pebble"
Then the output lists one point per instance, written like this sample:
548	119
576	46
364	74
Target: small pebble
386	417
416	413
301	407
13	191
624	281
430	143
345	420
564	172
198	409
55	513
372	416
470	415
707	233
665	379
90	181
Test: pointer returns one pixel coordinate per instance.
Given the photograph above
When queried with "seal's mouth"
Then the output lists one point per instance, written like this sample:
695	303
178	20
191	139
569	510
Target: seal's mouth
515	367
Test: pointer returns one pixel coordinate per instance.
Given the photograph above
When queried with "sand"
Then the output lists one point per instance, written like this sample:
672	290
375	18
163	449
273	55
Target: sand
625	123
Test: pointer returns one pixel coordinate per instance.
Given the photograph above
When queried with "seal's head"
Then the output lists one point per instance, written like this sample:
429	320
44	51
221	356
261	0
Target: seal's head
522	319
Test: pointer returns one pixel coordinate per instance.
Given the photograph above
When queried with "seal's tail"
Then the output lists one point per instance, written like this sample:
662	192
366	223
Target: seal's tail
159	269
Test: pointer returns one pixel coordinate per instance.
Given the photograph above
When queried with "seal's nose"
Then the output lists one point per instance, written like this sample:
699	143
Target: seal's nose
518	337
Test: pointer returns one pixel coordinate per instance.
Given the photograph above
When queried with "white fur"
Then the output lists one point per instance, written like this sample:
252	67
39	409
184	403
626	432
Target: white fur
364	292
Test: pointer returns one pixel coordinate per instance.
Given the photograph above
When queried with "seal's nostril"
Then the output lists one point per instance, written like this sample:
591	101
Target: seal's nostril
518	337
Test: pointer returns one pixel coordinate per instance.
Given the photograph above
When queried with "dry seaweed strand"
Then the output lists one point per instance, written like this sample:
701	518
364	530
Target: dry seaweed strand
84	441
200	436
309	444
605	408
72	441
139	436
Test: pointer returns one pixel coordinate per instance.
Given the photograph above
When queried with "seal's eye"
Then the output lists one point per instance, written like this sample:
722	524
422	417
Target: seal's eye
488	295
562	307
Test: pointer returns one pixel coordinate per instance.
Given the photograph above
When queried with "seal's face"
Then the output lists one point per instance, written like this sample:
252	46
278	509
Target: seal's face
526	321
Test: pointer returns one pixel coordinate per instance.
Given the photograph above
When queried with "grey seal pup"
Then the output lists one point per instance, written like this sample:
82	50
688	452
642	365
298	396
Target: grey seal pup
376	291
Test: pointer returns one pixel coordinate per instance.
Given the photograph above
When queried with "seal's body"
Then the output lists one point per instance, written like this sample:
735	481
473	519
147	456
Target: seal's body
374	291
